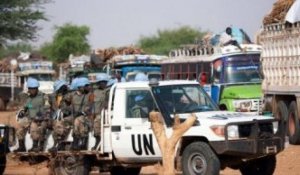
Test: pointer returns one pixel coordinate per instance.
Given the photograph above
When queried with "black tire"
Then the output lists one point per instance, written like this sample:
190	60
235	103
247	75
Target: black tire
282	113
118	170
71	165
2	163
199	159
262	166
293	127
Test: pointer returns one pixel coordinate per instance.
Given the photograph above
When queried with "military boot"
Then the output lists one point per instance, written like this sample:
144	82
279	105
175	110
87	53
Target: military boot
96	143
61	146
83	144
75	144
41	145
21	147
35	146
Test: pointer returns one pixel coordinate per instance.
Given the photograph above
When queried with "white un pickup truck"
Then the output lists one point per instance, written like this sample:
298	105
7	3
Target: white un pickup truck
218	139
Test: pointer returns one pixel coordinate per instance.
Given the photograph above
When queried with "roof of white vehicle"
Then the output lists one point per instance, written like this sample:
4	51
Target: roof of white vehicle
146	83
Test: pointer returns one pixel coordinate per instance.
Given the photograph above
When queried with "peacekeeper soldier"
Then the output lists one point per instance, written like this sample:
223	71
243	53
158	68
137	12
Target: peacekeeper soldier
99	103
81	109
140	110
60	102
32	116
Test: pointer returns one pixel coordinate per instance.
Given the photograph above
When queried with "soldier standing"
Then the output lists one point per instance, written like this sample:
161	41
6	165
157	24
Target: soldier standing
81	108
32	116
99	103
61	110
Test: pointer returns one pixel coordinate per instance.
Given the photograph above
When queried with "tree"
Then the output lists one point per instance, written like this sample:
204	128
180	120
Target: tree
165	40
18	19
168	145
68	39
15	48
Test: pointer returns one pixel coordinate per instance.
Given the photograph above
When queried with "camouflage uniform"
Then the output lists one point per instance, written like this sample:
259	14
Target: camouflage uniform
81	107
34	118
139	112
61	126
99	104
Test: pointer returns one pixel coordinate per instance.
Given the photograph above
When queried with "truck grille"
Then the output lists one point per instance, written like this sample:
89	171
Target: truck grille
256	104
249	130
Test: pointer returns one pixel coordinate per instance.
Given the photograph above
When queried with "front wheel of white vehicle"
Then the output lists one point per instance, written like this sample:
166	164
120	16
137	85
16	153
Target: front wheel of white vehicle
199	159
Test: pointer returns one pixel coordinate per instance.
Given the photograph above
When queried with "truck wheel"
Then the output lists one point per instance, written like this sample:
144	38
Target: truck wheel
118	170
2	163
199	159
2	105
282	114
71	165
262	166
293	124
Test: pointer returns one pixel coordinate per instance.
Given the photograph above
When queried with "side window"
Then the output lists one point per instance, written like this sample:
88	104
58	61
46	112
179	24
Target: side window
139	103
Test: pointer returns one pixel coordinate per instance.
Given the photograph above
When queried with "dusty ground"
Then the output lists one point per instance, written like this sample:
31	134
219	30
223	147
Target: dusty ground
288	161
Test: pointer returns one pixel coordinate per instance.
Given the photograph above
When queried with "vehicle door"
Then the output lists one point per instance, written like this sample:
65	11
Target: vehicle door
136	138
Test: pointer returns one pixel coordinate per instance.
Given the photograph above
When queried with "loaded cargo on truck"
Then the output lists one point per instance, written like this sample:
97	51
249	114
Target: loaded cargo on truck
280	60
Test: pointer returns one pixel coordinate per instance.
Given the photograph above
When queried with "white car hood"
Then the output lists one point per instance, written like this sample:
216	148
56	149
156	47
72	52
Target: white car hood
224	117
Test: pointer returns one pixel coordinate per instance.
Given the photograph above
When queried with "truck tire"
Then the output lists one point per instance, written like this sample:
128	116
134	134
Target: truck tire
71	165
118	170
293	128
2	163
282	113
2	105
199	159
262	166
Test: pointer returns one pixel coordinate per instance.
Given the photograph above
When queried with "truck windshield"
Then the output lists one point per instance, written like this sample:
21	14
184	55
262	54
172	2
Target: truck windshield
242	68
42	77
183	99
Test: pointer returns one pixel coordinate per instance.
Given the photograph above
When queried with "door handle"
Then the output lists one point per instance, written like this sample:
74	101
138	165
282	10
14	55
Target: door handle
128	127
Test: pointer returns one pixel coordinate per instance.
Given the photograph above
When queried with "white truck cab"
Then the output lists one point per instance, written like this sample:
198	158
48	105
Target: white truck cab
218	139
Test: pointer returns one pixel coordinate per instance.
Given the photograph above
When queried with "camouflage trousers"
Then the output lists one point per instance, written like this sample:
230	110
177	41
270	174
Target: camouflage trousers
61	128
23	126
97	126
38	130
81	126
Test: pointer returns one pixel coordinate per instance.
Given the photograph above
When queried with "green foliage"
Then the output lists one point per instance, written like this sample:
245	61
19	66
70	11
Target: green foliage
18	19
166	40
68	39
14	48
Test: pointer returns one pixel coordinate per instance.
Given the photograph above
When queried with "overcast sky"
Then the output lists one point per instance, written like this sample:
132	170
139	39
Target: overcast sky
115	23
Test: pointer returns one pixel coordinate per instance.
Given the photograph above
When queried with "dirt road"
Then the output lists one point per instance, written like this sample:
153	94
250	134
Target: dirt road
288	161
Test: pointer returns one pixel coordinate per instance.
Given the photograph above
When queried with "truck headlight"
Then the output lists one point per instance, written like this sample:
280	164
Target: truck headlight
242	105
233	131
275	126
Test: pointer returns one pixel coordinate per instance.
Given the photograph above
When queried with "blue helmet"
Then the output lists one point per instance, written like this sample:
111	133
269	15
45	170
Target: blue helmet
141	77
32	83
82	82
139	98
58	84
102	77
73	85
